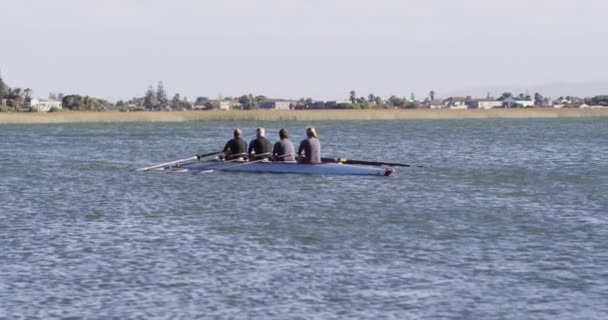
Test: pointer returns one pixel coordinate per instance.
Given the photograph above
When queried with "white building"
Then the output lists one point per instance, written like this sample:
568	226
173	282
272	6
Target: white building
44	105
225	105
456	103
436	104
488	103
517	102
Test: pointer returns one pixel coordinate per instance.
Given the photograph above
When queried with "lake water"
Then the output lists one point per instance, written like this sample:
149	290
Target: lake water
507	220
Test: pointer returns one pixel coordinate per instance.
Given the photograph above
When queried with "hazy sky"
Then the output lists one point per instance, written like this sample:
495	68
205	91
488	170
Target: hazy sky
308	48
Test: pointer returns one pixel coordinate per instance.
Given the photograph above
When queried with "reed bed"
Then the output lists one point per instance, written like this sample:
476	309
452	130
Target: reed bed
293	115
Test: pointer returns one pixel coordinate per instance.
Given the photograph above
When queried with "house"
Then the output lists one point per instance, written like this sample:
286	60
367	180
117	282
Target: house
484	104
44	104
456	103
574	105
225	105
275	105
216	104
513	102
435	104
317	105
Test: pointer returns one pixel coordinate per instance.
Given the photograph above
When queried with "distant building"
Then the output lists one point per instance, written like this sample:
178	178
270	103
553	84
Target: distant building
574	105
44	105
435	104
335	104
215	104
275	104
456	103
225	105
485	104
512	102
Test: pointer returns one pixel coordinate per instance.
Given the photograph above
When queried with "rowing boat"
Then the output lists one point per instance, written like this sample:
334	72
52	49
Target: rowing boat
288	167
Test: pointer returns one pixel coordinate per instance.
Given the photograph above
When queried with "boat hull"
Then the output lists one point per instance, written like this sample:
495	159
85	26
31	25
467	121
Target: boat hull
286	167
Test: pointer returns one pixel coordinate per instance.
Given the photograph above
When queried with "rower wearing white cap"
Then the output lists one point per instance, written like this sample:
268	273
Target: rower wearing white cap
260	147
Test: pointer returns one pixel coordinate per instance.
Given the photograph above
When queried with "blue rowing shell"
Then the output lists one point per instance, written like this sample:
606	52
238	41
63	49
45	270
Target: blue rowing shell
288	167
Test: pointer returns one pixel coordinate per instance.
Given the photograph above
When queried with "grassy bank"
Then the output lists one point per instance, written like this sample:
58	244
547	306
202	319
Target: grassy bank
308	115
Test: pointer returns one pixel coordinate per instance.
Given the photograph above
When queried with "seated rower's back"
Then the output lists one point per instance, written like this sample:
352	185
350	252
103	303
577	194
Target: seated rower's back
260	148
283	150
310	147
236	147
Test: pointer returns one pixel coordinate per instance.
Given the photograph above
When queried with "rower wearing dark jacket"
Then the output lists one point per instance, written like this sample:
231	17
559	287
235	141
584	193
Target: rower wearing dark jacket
310	148
260	147
236	147
283	150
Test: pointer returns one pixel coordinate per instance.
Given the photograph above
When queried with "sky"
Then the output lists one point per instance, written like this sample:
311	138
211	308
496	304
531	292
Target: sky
323	49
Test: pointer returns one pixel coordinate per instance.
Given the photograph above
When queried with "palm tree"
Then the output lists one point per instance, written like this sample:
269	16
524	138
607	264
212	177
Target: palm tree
353	96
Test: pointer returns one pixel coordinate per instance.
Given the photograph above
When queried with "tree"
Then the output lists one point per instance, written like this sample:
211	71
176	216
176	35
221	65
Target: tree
161	95
432	94
27	95
378	101
176	102
260	98
248	102
371	98
212	105
3	88
14	98
412	97
86	103
353	96
600	100
52	96
396	101
60	96
538	99
505	95
150	100
200	101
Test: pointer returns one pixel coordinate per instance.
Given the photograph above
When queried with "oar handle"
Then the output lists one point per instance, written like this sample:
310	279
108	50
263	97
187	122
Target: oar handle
199	156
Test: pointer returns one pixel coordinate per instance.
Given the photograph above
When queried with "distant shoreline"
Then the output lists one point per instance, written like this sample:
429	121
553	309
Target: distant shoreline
292	115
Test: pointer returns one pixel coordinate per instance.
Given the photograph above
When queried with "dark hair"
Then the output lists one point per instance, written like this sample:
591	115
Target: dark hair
283	134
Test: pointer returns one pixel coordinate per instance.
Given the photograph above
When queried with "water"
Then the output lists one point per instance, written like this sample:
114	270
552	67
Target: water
507	220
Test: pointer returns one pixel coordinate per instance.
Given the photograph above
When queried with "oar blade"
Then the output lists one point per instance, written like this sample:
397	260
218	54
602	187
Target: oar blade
364	162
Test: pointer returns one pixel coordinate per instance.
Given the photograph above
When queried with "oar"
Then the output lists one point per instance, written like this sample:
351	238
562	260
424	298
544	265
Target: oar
167	164
234	166
369	163
197	157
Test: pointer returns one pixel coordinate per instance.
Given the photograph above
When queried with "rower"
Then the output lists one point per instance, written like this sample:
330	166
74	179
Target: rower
237	147
283	150
310	148
260	148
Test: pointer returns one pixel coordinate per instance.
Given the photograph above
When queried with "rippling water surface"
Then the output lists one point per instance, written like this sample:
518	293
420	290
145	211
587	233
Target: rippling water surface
507	220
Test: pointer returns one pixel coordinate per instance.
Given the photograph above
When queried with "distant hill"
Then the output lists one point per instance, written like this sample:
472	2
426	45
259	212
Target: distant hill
553	90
